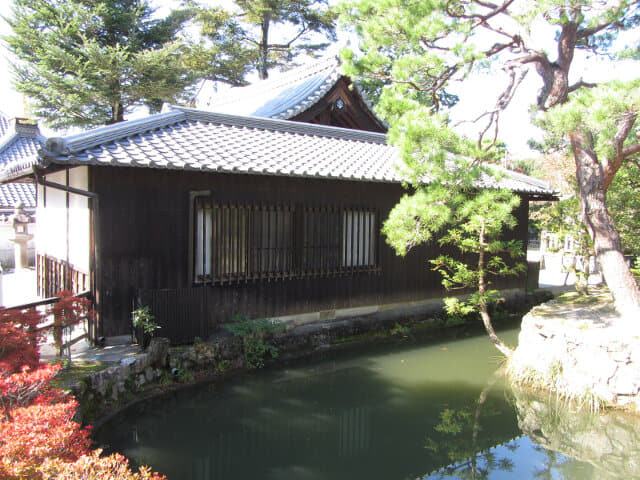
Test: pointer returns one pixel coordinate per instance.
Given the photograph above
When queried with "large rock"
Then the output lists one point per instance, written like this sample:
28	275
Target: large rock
580	347
158	351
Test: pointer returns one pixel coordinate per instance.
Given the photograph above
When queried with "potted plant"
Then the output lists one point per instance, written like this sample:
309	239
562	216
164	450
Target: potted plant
144	325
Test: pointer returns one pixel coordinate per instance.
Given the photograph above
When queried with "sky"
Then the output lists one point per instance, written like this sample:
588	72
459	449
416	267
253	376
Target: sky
477	93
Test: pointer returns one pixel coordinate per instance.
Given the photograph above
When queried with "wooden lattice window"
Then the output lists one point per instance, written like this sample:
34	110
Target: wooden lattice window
321	240
359	235
241	242
236	242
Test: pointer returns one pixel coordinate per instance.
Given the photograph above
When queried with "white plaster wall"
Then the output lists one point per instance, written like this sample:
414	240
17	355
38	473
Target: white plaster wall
79	220
52	219
51	214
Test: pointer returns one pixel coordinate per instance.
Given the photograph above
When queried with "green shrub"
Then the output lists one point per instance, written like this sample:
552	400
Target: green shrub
143	318
253	335
636	268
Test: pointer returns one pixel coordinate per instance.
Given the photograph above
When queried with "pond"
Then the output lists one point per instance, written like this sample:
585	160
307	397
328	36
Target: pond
416	410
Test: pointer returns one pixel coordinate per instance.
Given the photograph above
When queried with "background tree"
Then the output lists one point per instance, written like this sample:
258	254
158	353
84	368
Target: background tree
624	203
444	41
252	29
219	55
86	63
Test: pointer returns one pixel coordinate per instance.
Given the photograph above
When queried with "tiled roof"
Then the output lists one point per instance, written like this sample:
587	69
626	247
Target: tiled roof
19	144
4	125
12	193
283	96
189	139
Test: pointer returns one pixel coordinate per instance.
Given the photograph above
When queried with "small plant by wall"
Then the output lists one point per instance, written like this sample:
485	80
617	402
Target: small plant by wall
143	322
254	336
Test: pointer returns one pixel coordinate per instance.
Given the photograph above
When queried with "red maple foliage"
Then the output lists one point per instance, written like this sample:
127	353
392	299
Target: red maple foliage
67	312
40	431
19	337
95	467
39	438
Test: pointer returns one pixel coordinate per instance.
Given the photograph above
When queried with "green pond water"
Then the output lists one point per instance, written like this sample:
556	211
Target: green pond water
412	410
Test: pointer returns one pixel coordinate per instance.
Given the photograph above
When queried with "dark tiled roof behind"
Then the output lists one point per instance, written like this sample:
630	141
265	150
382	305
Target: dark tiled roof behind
5	125
282	96
21	151
19	145
12	193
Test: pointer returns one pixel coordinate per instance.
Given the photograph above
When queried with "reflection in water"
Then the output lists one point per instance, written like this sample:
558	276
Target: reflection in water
391	413
610	440
474	463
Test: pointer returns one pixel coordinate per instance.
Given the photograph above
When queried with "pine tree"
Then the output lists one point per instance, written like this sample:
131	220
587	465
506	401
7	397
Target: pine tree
445	206
253	28
420	47
86	63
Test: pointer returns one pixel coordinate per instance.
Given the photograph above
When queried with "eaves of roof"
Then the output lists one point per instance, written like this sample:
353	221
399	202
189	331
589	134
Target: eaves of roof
190	139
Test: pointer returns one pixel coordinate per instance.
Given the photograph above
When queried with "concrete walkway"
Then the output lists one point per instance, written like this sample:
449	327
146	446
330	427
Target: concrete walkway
117	348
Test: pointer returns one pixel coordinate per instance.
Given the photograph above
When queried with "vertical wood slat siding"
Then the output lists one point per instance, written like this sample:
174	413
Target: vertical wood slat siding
56	275
144	244
181	313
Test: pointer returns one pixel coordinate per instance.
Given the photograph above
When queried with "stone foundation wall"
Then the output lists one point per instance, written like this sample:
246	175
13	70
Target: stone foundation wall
131	373
161	366
580	350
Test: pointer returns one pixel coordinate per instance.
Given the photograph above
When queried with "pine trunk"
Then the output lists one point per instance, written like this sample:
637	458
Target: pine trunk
263	48
493	336
593	181
484	308
603	233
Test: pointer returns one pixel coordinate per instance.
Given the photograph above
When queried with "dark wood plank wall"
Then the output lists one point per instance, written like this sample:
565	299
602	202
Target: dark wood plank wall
144	244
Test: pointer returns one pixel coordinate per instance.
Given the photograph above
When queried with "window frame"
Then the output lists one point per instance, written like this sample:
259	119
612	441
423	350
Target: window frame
306	243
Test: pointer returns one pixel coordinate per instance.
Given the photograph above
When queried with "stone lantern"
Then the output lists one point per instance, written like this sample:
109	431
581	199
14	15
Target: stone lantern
21	236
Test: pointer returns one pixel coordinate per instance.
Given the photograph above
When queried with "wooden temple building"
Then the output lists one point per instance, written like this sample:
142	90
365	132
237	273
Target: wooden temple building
267	202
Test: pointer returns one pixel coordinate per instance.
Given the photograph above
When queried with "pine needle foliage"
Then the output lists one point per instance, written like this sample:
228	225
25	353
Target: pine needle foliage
447	206
86	63
272	33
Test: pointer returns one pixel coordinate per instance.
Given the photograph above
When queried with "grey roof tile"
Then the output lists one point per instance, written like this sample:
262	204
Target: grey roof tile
19	144
188	139
12	193
5	125
283	96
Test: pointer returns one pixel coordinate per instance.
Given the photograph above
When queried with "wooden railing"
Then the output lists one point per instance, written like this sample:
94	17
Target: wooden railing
65	332
56	275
